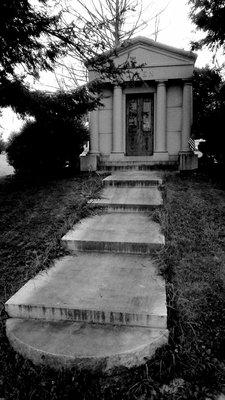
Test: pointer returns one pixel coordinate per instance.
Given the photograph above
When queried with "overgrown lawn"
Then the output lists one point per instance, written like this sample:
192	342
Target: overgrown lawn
193	263
34	217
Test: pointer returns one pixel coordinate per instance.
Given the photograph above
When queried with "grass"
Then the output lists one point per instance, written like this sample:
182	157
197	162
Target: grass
35	215
193	263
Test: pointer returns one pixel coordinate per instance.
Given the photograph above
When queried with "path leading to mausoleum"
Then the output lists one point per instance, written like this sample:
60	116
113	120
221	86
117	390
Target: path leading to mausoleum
105	305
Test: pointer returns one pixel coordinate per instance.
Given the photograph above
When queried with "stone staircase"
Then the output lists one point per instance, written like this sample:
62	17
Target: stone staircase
131	195
135	165
105	305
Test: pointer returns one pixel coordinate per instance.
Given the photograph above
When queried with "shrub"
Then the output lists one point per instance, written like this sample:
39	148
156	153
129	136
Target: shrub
47	146
209	114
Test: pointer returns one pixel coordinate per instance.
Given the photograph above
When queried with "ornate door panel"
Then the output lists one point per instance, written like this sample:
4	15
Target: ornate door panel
139	125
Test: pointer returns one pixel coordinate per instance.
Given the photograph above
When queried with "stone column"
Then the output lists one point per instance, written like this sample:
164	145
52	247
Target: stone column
117	139
94	134
186	116
160	137
187	159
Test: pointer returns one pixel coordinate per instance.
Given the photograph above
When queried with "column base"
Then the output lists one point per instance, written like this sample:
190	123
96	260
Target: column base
116	156
89	162
161	156
187	161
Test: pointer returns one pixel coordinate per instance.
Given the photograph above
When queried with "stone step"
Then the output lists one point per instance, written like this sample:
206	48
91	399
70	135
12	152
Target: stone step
129	199
133	179
136	166
132	233
84	346
95	288
98	309
119	208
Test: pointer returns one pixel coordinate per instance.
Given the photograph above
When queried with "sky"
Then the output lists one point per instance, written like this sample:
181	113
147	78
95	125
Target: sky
175	29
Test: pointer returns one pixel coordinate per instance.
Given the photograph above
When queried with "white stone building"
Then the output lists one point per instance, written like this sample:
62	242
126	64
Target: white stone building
149	122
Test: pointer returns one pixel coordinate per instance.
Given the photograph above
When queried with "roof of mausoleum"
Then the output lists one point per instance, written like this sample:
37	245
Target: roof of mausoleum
144	41
152	60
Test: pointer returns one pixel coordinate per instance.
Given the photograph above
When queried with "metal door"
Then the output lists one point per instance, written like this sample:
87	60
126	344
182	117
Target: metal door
139	125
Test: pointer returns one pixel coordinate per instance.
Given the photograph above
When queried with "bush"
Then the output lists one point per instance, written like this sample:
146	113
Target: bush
47	146
209	114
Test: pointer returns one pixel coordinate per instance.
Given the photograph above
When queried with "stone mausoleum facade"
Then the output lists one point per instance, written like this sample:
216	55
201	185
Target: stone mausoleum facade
147	122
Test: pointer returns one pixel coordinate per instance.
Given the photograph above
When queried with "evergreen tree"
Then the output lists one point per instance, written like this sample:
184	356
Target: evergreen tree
209	112
209	16
27	44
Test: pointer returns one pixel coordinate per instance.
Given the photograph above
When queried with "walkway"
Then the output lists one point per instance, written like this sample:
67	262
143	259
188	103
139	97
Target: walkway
105	305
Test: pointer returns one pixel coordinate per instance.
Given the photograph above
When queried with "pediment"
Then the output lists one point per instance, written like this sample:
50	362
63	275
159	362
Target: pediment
152	54
159	61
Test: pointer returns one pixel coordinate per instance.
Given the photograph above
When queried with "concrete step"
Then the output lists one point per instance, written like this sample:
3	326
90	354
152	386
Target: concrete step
119	208
98	309
95	288
84	346
136	165
130	199
132	233
134	179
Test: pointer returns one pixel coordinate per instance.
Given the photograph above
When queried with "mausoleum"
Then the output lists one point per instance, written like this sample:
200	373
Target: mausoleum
147	122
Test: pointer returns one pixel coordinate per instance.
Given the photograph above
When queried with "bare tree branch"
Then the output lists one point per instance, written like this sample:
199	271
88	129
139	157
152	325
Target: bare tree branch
101	26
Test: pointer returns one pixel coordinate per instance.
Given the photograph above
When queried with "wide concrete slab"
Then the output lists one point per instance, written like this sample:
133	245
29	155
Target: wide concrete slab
115	232
85	346
129	199
134	178
101	288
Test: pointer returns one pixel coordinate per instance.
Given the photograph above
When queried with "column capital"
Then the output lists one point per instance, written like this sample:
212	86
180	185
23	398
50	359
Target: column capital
117	86
187	82
117	82
161	81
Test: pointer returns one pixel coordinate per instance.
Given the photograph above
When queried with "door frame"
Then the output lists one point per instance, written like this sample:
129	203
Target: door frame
138	93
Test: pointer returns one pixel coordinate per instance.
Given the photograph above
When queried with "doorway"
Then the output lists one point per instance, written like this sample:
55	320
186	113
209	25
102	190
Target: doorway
139	124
